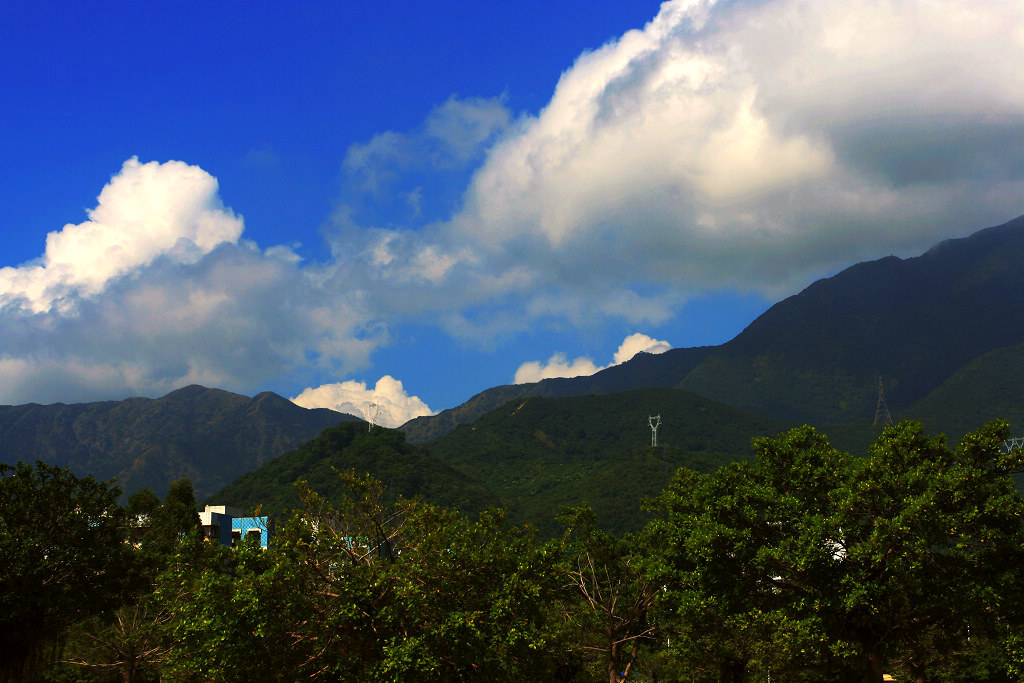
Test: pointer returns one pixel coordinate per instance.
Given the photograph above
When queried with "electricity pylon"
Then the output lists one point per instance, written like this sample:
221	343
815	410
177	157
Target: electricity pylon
1013	442
654	421
882	410
371	415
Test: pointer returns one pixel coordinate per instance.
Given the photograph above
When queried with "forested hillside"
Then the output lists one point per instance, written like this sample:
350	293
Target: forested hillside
991	385
817	356
533	456
208	435
644	370
942	330
539	454
407	470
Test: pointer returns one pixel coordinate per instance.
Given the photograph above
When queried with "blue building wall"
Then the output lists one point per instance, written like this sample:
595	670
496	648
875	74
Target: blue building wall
229	526
252	525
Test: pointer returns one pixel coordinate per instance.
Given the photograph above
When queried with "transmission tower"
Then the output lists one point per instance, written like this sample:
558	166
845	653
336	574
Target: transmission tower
654	421
1013	442
371	415
882	411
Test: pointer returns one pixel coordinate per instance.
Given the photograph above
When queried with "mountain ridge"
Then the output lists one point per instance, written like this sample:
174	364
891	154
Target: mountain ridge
940	328
817	355
208	435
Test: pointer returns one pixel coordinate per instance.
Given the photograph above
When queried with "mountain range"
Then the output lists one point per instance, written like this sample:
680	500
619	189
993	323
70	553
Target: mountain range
208	435
817	356
942	333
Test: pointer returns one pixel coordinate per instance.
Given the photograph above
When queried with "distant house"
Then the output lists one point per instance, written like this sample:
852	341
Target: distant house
228	526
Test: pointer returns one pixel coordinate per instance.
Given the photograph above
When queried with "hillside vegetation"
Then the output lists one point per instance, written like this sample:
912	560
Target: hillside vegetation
208	435
406	470
944	330
991	385
817	356
644	370
539	454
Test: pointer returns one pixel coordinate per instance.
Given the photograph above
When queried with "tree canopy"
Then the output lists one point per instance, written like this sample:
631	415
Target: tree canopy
62	556
804	564
810	560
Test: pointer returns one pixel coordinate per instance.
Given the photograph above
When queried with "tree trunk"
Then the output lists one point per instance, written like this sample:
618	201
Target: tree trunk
917	673
13	662
613	658
918	665
733	671
876	670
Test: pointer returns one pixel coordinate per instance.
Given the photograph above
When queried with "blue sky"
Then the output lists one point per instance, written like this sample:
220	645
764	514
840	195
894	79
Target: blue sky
310	197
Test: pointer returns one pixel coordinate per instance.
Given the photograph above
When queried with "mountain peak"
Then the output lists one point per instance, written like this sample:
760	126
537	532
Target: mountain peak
189	392
208	435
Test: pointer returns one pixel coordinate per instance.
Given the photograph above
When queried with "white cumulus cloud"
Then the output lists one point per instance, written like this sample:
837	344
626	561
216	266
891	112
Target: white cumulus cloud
157	290
146	211
559	366
387	403
639	343
748	146
556	366
752	146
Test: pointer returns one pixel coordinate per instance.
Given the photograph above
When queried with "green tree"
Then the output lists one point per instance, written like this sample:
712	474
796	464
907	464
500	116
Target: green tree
609	595
368	587
129	640
811	562
404	590
141	506
227	614
933	542
175	519
62	557
723	609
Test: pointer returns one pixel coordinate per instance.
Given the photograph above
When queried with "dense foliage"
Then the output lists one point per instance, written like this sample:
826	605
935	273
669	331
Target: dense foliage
802	564
407	470
537	454
62	557
811	563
